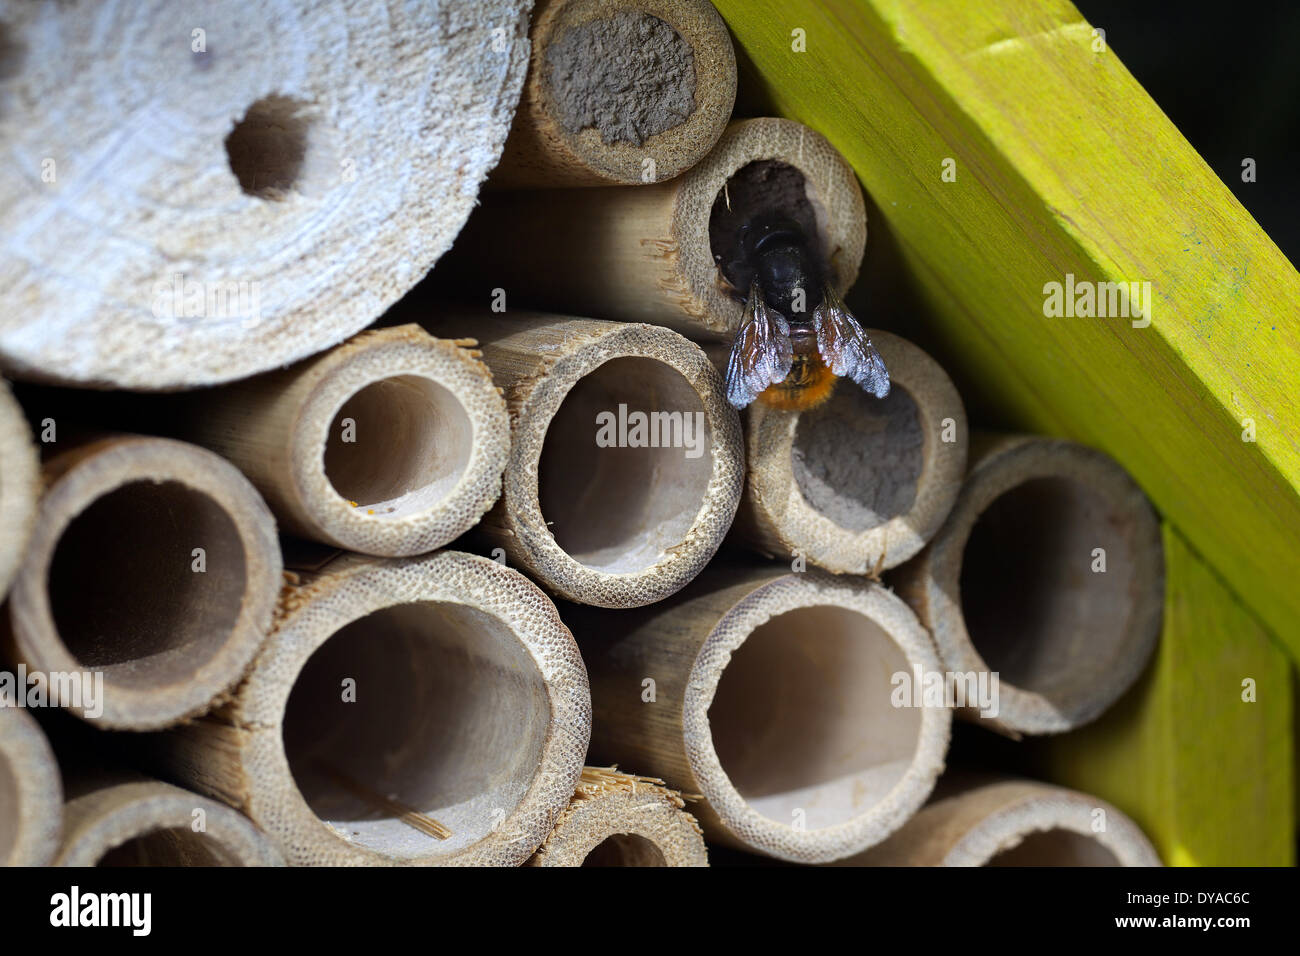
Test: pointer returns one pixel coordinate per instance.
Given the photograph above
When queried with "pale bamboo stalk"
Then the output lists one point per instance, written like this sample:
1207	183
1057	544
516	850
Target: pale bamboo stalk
315	161
594	522
979	821
153	563
1049	571
428	710
771	695
133	821
619	819
574	127
857	484
645	254
31	792
391	444
19	486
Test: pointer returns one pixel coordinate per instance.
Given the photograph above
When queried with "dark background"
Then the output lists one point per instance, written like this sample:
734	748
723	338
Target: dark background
1228	76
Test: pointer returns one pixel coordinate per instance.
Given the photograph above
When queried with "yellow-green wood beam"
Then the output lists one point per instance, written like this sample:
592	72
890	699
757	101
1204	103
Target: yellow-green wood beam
1208	774
1065	166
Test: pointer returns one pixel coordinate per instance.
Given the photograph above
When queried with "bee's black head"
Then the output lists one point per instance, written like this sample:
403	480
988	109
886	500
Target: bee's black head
764	227
783	262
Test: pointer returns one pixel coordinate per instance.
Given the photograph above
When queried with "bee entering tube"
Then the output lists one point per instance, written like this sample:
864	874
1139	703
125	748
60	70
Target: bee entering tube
795	336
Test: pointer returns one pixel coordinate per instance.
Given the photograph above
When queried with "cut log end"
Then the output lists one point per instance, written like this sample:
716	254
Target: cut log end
284	210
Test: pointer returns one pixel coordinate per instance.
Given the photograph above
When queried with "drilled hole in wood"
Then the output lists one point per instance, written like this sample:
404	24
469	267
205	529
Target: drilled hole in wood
268	148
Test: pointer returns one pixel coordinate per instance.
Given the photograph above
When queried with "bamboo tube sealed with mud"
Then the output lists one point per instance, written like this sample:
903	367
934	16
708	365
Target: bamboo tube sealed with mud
129	820
619	819
391	444
855	484
424	711
315	161
619	92
978	820
149	582
31	791
20	483
626	462
775	696
1048	572
673	253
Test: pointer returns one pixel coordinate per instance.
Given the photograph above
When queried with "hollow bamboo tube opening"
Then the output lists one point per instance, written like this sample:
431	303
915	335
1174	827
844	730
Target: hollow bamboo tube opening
391	444
1001	822
859	482
772	695
31	792
650	254
625	459
19	486
153	563
149	823
617	819
1049	572
423	711
619	92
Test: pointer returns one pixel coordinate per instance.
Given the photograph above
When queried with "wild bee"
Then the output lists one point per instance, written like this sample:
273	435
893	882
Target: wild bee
780	356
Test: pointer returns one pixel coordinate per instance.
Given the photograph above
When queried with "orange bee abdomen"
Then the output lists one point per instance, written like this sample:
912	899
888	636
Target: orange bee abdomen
808	385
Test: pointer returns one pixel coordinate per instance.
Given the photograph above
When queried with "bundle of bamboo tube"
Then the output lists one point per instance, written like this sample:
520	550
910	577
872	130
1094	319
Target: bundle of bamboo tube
412	597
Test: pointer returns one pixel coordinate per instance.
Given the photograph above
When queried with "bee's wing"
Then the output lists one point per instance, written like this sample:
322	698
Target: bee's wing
761	354
845	347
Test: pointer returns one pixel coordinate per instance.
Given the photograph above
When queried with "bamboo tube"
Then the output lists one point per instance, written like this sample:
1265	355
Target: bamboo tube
154	564
200	201
857	484
138	822
595	519
619	92
771	695
648	254
617	819
31	792
425	710
1006	822
19	486
391	444
1049	572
